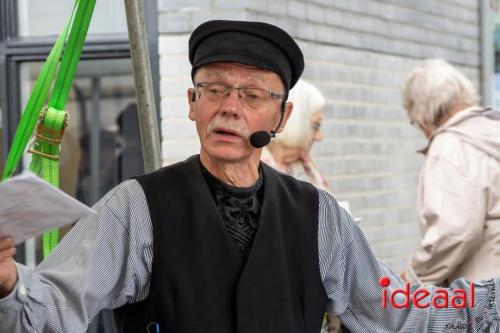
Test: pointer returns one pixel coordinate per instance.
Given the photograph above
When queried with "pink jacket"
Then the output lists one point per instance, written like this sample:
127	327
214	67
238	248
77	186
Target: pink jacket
459	201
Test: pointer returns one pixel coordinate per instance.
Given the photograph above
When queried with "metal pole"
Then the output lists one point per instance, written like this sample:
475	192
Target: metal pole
146	111
95	141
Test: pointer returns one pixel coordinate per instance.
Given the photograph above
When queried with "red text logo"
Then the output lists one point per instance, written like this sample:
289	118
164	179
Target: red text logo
440	299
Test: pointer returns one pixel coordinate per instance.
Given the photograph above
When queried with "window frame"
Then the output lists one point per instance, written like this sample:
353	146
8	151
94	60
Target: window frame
16	50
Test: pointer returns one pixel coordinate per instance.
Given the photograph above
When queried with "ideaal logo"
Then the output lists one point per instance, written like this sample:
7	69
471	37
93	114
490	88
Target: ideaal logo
440	298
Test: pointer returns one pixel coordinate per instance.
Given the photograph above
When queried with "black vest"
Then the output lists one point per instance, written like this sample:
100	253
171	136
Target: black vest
199	283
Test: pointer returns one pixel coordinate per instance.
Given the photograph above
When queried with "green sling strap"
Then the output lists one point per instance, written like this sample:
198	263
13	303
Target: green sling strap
51	121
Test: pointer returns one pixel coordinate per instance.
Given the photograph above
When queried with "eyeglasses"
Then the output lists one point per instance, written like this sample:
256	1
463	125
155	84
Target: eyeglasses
253	98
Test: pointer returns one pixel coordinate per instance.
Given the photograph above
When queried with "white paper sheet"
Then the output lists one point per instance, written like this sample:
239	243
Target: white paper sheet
29	206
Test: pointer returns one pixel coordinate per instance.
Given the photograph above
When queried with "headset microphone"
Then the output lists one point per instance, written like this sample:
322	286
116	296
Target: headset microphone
260	139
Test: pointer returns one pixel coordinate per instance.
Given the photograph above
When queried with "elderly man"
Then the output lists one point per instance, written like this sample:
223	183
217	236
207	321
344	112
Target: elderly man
459	190
220	242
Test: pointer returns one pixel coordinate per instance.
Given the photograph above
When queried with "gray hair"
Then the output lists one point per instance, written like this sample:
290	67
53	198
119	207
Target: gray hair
307	100
434	89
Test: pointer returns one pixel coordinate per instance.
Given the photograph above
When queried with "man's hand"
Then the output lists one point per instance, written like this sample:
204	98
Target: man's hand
8	272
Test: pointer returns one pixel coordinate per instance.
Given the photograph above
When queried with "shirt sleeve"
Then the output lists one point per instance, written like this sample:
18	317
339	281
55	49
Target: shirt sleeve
452	209
352	276
103	262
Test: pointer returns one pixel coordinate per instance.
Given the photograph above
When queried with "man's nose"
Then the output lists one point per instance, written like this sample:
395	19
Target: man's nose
231	105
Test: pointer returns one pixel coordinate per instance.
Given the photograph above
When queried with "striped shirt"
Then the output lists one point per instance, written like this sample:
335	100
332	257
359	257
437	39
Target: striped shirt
105	262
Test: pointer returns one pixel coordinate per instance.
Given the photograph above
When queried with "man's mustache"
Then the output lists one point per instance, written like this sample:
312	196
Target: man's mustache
237	126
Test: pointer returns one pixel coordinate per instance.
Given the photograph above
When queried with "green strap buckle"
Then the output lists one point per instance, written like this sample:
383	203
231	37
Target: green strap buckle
49	131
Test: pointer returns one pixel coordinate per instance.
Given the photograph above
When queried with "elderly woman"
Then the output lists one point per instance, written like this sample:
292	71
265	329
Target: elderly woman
459	190
289	151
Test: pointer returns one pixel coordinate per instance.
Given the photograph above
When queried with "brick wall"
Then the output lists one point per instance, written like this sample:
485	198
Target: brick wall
358	53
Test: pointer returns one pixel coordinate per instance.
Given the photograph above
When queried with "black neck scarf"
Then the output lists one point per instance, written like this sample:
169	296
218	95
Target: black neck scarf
239	208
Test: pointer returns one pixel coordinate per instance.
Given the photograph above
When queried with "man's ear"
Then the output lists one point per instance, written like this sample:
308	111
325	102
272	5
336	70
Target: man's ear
191	95
287	113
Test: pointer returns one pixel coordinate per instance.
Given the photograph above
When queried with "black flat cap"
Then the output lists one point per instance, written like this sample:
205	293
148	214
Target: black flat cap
251	43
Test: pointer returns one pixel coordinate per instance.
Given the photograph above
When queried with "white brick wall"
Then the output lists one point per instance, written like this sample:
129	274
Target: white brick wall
179	134
358	53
